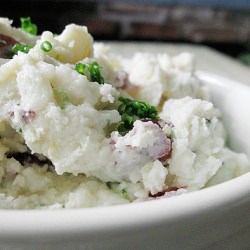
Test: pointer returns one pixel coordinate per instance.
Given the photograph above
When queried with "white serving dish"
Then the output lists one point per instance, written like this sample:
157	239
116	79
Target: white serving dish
217	217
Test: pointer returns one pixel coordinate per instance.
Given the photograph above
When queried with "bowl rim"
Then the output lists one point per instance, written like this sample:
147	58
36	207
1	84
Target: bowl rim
87	221
20	223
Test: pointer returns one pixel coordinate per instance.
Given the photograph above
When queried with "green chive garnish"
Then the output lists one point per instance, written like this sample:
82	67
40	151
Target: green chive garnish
23	48
94	71
46	46
28	26
132	110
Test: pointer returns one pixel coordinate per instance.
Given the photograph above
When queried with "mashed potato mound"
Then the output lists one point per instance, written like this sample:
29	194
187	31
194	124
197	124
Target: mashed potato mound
80	127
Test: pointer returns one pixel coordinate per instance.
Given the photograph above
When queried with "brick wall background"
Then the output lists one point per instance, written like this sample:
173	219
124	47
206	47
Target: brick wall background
225	29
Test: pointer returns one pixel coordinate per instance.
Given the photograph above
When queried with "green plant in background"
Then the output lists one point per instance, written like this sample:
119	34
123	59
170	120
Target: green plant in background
244	57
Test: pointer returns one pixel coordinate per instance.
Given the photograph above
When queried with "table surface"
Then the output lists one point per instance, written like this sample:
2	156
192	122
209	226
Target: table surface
207	59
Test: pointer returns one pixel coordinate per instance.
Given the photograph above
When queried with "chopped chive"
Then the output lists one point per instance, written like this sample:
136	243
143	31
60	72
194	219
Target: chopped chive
80	68
132	110
93	69
95	73
28	26
46	46
124	193
23	48
61	98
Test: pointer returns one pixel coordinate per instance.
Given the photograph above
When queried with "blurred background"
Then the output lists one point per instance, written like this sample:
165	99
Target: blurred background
221	24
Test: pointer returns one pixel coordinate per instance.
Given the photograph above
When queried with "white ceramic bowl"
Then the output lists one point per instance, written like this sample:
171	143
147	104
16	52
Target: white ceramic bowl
217	217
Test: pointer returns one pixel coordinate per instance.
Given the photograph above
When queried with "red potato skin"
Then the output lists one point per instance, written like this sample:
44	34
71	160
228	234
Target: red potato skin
161	193
6	44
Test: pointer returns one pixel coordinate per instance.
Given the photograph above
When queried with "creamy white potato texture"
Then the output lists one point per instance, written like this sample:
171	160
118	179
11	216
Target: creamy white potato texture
81	126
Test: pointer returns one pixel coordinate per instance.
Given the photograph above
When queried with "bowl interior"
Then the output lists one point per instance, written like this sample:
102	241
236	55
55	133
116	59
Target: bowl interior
233	100
127	221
